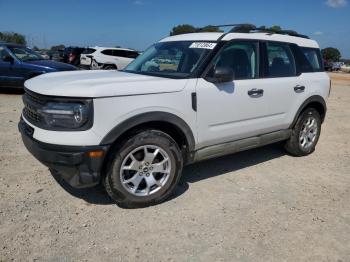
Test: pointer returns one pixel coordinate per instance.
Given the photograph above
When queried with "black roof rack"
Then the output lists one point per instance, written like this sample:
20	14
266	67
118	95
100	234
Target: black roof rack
250	28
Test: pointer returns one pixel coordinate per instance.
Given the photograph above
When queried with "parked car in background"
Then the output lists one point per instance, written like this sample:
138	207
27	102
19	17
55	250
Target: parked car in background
107	58
86	58
327	65
336	66
56	55
19	63
44	54
71	55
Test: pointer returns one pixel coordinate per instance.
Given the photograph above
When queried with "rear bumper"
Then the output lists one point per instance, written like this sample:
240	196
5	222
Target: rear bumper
72	163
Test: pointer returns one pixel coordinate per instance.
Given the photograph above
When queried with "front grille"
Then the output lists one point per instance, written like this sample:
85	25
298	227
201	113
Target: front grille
32	104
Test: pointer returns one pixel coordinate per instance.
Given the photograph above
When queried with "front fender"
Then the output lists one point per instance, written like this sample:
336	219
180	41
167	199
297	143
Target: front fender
121	128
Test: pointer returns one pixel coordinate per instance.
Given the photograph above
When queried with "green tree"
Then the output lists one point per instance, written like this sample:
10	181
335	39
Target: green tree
183	29
57	47
331	54
11	37
275	28
35	48
209	28
186	28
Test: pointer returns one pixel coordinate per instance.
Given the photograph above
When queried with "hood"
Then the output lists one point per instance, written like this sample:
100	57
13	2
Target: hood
100	83
52	64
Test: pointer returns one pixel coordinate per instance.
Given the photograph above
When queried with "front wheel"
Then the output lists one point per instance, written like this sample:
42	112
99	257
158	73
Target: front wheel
305	133
144	170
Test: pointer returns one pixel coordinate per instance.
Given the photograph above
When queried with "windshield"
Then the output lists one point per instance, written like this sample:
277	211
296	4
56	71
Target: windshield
171	59
25	54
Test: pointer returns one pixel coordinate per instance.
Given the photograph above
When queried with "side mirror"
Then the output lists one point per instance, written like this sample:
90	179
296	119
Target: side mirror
8	58
222	75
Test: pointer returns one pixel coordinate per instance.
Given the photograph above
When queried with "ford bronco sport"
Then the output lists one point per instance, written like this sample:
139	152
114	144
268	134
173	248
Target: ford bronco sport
187	98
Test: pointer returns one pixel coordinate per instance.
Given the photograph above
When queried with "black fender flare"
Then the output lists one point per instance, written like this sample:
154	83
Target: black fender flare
143	118
312	99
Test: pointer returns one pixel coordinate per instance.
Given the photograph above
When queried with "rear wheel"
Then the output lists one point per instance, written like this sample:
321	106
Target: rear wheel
109	67
144	170
305	133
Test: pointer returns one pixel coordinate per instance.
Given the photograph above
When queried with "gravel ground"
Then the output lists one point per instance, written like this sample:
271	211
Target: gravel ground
259	205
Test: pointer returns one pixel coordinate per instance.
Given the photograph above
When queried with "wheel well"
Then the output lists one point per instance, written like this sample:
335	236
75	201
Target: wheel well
172	130
34	74
318	107
316	102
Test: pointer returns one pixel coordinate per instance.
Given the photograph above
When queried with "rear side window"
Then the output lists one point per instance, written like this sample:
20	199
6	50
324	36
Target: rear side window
132	54
107	52
313	55
125	53
120	53
280	60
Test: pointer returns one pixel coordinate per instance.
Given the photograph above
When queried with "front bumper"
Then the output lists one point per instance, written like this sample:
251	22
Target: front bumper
72	163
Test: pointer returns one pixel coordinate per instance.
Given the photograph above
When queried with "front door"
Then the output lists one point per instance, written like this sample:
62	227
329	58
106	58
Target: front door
234	110
10	72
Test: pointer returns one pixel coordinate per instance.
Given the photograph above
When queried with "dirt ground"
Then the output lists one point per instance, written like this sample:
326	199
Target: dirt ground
258	205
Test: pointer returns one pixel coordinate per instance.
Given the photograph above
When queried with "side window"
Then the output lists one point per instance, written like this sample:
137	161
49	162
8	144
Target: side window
107	52
120	53
314	57
3	53
132	54
280	60
242	57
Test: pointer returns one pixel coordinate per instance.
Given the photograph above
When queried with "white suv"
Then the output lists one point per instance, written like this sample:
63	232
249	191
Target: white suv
108	58
187	98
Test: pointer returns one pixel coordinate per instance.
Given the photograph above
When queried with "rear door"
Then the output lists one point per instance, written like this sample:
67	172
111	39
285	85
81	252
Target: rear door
280	82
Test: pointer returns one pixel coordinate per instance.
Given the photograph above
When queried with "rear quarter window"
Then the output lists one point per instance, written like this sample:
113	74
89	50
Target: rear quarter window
107	52
313	55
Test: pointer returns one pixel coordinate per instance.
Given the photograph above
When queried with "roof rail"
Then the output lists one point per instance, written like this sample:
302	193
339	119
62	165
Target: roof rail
250	28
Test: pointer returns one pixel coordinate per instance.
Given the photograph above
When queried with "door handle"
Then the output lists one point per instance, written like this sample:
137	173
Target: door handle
255	93
299	89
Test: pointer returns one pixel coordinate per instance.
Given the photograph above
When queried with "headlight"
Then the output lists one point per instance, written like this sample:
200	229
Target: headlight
58	113
66	115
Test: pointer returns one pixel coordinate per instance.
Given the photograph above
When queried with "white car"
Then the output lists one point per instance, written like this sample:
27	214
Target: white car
135	130
108	58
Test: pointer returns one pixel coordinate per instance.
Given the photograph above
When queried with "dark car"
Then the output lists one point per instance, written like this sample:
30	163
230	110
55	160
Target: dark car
19	63
327	65
56	55
71	55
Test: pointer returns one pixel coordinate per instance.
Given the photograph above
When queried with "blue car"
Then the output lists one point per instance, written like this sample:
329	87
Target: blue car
19	63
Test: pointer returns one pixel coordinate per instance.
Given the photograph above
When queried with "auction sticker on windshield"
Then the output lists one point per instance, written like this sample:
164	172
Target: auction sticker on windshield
204	45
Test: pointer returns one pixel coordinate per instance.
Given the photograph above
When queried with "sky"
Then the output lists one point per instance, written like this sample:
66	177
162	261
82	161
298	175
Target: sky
139	23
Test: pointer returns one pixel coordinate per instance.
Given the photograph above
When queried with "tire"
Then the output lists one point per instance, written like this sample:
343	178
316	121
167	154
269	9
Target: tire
305	134
109	67
129	163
